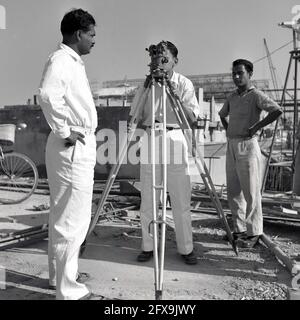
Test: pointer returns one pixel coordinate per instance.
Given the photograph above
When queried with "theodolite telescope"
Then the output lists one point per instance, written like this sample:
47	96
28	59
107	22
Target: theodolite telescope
158	57
294	24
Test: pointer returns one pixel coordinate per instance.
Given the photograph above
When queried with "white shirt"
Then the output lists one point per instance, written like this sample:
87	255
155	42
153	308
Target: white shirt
184	89
65	95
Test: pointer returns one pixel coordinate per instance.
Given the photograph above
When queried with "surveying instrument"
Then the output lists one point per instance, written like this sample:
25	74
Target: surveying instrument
159	76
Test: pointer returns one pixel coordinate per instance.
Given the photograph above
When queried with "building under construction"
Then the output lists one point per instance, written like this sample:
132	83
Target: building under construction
206	86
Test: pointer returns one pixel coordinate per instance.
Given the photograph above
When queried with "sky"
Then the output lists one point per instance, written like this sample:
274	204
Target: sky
209	35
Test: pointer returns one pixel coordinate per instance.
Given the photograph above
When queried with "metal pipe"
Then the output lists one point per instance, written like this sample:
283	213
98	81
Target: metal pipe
20	236
24	240
291	265
295	104
276	125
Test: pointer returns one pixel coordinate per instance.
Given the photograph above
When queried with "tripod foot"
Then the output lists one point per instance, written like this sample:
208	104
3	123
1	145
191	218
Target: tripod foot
158	295
235	248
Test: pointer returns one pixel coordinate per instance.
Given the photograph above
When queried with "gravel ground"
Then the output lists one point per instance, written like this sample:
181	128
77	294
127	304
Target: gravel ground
254	274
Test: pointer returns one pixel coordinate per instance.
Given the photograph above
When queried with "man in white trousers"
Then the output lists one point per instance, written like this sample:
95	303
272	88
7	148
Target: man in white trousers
242	118
67	103
178	175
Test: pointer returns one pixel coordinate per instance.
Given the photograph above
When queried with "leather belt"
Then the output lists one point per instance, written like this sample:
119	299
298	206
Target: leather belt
171	128
167	128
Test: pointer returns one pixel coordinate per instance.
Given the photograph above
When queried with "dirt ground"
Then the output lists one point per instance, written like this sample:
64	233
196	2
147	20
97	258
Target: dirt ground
110	258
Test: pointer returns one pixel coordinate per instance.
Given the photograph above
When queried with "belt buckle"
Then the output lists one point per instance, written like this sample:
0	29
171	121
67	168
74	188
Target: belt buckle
158	126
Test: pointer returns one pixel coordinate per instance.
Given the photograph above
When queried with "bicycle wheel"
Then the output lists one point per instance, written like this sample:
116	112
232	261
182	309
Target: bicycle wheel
18	178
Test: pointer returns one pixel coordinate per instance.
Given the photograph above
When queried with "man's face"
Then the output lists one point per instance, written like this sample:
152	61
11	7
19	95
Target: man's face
172	61
241	77
86	40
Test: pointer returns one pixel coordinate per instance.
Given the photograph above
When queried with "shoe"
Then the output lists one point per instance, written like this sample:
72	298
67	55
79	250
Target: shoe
236	236
249	242
83	277
145	256
92	296
190	258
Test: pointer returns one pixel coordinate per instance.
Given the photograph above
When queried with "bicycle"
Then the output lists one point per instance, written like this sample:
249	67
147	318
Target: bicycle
18	173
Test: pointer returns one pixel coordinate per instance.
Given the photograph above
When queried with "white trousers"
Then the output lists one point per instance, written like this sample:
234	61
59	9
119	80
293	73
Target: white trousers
70	173
243	174
178	185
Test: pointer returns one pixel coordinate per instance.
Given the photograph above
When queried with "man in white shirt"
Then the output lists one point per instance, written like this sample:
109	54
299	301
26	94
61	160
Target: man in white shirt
178	177
67	103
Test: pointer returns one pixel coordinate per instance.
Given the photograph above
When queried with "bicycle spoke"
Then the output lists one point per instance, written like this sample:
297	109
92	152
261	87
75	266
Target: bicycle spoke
18	178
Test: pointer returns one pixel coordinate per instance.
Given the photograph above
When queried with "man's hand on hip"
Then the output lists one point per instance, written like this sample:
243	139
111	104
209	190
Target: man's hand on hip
251	132
73	137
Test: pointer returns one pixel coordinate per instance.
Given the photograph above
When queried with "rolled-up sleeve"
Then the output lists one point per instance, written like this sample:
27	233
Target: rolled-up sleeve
265	103
188	98
52	91
224	112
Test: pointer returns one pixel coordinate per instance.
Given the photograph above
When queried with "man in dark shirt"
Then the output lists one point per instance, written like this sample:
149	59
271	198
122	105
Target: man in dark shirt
243	158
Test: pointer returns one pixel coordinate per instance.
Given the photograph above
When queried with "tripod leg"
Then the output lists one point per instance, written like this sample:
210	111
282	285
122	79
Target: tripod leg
115	169
214	197
154	188
164	195
200	163
159	220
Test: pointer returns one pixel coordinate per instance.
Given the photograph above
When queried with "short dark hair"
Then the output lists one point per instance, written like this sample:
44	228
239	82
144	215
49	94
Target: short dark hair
76	19
171	46
248	65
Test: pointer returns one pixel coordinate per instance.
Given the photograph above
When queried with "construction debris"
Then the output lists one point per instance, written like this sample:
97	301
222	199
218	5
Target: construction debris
42	207
23	237
291	265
